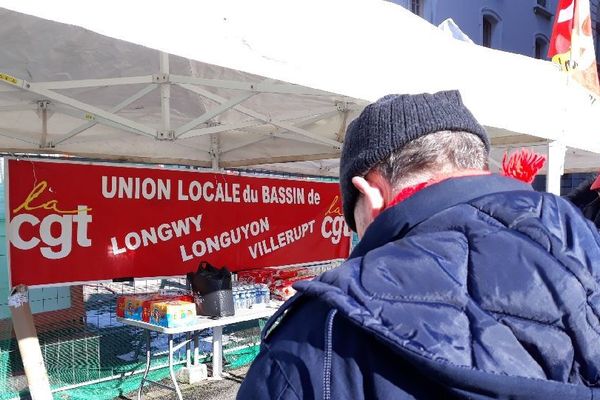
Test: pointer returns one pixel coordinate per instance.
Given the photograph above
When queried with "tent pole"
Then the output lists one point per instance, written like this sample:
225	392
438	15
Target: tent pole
556	166
29	345
165	93
214	151
43	107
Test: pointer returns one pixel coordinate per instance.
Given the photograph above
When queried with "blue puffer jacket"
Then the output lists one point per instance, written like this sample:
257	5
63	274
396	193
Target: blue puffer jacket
476	287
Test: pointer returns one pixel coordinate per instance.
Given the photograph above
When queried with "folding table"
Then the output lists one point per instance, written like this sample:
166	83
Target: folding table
191	331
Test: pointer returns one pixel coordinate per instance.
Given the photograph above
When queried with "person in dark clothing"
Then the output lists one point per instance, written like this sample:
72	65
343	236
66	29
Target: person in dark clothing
587	197
465	284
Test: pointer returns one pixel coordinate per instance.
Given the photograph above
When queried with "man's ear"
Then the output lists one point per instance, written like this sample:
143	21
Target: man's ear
373	192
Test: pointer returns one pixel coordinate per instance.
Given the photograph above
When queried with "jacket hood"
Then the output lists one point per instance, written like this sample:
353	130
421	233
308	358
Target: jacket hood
471	280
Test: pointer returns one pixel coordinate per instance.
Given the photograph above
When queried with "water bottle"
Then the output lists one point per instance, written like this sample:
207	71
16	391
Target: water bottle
266	294
257	295
244	300
254	295
236	303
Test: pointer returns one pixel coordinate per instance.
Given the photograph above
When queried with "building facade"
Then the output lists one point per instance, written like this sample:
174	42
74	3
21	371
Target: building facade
518	26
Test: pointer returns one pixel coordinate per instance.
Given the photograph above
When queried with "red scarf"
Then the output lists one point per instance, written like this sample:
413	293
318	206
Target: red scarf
522	165
410	190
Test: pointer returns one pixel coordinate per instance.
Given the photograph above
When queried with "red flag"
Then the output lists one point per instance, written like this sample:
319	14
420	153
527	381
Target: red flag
572	43
560	43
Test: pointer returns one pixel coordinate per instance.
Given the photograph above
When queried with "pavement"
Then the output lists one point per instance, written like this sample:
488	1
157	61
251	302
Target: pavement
223	389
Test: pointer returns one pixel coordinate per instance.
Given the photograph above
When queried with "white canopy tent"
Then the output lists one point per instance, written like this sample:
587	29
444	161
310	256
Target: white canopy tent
259	82
224	84
99	97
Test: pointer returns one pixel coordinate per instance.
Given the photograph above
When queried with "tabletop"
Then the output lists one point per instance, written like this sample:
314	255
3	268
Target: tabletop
203	322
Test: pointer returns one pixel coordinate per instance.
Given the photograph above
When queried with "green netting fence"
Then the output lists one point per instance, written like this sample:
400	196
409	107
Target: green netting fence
88	353
93	356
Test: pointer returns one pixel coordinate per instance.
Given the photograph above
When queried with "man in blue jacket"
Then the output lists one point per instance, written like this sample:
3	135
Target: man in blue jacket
464	284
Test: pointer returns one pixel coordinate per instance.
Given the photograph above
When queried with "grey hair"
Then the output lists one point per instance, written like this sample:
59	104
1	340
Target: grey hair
429	155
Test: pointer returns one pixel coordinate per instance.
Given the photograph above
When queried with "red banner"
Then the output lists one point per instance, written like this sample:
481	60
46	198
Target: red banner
75	222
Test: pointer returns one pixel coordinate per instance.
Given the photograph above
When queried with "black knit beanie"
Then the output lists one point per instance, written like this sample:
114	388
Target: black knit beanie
387	125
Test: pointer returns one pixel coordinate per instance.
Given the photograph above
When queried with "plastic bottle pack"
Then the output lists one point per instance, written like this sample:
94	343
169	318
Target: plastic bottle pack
248	295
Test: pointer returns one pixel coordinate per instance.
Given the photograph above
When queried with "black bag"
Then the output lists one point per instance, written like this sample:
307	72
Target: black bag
212	290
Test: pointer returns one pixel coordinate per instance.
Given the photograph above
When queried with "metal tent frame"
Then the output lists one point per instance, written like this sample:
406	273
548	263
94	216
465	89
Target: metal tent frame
279	90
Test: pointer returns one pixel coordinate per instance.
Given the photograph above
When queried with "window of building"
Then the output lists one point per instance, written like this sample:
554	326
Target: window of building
491	29
541	9
488	30
416	6
541	47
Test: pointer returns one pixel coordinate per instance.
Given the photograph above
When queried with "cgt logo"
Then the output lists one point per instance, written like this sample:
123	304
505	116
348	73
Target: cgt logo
333	226
55	230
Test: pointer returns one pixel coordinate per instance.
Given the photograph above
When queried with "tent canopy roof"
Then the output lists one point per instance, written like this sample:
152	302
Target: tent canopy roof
251	83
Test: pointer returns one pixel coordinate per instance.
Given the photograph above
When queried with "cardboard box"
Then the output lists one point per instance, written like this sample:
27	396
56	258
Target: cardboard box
132	306
170	313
